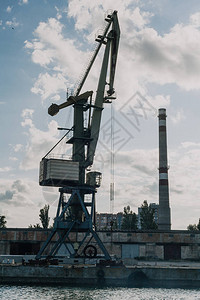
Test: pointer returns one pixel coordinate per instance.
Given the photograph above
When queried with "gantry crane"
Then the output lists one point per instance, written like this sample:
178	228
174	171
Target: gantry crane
77	214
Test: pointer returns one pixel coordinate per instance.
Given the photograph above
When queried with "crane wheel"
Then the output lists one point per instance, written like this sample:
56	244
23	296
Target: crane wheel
90	251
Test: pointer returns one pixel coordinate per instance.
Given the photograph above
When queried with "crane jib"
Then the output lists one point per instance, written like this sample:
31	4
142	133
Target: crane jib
109	38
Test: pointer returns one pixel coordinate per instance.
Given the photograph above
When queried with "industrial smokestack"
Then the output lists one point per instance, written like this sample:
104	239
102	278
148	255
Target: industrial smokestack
164	218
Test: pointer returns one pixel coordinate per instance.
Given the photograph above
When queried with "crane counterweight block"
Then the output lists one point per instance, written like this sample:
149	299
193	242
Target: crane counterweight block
53	109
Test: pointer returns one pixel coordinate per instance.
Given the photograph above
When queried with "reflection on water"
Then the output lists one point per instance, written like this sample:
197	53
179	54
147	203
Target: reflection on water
61	293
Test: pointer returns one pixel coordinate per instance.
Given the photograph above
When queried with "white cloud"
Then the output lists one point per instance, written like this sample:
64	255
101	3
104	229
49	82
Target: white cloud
136	178
172	58
27	113
17	198
51	49
177	117
21	205
89	14
5	169
57	50
160	101
27	122
22	2
9	8
141	106
13	23
140	18
13	158
34	45
184	183
195	19
190	144
59	13
55	98
48	85
42	57
81	12
18	147
39	143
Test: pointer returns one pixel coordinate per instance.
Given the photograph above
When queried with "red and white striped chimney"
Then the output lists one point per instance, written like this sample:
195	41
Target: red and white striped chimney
164	218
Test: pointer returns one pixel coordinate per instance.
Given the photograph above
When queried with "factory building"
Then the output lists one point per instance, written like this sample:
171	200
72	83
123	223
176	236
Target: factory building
108	220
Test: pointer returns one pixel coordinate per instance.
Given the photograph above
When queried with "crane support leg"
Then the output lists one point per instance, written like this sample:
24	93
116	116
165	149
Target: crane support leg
65	228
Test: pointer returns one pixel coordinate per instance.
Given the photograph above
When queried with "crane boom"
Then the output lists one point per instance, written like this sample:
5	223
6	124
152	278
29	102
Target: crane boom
96	51
111	41
114	51
111	52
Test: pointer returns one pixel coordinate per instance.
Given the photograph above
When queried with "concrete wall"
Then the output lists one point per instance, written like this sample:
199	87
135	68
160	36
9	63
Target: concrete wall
99	276
190	251
150	245
4	247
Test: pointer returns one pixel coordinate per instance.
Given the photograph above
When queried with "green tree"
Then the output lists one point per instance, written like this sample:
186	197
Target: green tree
37	225
198	225
147	217
192	227
114	225
44	216
3	222
129	220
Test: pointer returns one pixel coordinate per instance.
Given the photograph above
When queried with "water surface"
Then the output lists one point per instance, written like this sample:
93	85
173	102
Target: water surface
8	292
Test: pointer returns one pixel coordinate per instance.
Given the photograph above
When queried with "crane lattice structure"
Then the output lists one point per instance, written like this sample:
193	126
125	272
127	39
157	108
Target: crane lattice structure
77	214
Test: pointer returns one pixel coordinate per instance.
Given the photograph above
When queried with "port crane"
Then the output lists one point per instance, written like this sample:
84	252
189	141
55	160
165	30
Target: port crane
77	214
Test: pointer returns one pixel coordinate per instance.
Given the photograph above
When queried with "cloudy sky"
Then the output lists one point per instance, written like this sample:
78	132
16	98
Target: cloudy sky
45	47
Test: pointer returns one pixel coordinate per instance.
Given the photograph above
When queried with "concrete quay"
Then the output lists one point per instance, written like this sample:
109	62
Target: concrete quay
145	274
